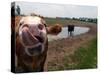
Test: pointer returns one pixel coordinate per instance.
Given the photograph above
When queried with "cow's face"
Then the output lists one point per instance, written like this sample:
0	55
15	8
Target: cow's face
33	34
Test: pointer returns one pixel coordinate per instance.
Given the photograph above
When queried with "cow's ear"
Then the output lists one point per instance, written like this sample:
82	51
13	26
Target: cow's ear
54	30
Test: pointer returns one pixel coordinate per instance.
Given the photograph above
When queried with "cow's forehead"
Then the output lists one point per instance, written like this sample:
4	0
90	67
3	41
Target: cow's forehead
31	20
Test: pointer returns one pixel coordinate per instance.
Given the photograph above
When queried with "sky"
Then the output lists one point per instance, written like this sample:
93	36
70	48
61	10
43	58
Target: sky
58	10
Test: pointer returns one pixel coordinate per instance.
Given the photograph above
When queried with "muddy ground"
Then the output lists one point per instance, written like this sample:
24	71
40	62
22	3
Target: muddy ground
58	49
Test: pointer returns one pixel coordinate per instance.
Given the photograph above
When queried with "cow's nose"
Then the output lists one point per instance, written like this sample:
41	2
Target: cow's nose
34	30
25	28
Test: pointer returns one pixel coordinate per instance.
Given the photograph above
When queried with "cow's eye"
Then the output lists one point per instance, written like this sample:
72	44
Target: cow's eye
40	26
45	24
21	23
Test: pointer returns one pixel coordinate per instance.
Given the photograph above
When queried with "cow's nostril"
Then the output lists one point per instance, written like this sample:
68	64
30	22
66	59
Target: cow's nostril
39	38
40	26
25	28
26	25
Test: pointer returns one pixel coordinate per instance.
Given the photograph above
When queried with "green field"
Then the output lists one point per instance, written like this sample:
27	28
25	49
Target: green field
83	58
62	21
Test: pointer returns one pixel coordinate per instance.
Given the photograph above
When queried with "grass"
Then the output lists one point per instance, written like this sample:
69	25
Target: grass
52	21
83	58
87	57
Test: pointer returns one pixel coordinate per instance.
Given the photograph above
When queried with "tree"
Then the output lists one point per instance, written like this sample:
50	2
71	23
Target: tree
18	10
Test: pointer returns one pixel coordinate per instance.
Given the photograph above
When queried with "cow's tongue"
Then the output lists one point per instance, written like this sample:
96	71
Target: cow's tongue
27	37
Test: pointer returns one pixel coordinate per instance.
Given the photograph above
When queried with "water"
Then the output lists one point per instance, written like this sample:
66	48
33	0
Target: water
64	33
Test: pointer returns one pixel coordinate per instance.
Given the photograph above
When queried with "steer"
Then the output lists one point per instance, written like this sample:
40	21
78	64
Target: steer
32	43
70	30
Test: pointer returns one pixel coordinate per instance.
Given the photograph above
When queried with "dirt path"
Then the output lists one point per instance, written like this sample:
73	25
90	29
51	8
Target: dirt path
59	48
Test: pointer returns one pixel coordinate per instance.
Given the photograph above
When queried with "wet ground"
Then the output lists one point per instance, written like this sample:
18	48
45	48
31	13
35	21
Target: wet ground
64	33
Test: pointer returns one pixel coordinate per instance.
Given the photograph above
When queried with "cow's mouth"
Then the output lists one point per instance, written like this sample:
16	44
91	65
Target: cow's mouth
33	44
34	50
28	38
40	39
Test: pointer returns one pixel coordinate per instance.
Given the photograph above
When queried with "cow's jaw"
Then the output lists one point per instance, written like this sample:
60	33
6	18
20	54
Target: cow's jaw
32	38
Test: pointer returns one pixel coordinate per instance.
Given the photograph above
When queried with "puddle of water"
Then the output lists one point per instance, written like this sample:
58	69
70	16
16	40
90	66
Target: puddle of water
64	33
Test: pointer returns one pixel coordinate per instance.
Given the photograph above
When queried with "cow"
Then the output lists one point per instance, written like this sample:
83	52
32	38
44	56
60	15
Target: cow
31	42
70	30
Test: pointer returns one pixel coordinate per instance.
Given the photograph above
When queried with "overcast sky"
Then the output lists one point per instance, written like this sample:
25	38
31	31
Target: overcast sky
58	10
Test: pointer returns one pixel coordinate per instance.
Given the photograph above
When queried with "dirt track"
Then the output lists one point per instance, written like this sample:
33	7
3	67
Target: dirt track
59	48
